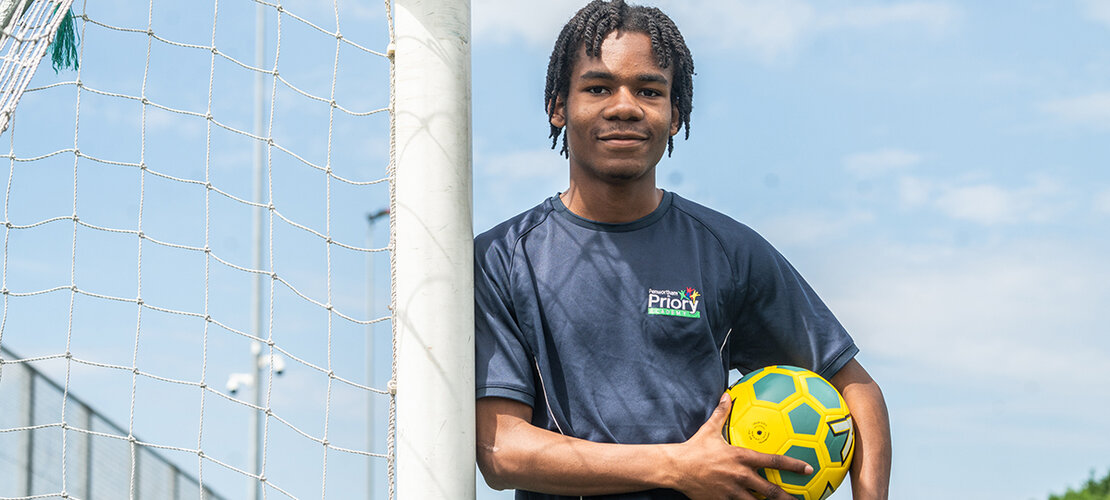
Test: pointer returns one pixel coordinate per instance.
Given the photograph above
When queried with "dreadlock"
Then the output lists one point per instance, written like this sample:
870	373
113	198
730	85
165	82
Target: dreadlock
591	25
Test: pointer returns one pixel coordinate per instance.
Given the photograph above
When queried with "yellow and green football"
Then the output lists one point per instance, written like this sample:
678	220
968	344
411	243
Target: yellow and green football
794	412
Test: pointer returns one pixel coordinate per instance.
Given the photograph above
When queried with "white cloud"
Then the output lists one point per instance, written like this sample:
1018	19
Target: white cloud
1097	10
535	23
810	227
914	192
770	29
989	338
985	312
1042	200
1091	109
935	17
541	165
989	204
765	29
1102	202
881	162
986	204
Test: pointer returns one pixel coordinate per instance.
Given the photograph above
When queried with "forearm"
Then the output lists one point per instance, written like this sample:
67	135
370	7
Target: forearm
870	471
523	456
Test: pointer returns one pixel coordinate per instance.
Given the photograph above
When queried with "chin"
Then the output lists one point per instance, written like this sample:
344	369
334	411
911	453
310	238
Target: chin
622	176
619	172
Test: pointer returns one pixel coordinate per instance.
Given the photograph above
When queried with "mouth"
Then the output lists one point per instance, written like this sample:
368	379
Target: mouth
623	139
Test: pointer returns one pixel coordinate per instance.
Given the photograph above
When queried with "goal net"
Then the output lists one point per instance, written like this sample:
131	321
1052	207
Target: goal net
26	30
237	244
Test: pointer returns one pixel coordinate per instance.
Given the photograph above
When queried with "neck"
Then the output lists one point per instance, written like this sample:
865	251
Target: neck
612	203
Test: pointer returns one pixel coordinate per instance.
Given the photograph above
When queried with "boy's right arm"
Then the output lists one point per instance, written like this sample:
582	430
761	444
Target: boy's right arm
513	453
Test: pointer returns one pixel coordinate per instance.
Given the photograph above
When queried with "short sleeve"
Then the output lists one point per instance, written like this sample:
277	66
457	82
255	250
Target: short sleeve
502	362
781	320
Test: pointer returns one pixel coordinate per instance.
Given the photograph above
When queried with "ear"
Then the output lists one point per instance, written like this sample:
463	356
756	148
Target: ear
558	111
674	119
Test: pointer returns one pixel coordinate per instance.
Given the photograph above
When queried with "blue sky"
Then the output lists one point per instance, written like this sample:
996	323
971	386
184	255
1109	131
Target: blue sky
937	170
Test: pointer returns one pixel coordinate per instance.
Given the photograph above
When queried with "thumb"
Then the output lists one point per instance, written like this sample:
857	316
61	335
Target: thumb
720	414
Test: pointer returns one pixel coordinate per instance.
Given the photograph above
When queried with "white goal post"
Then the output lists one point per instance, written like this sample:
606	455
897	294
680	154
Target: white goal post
434	251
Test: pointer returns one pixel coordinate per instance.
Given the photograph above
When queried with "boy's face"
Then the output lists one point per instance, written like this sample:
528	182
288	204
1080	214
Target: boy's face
618	112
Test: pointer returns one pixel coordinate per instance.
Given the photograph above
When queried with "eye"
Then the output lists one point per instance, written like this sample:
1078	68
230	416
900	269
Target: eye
597	90
651	93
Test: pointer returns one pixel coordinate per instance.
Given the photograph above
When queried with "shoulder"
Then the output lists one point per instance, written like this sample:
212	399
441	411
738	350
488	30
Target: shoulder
730	233
751	257
501	240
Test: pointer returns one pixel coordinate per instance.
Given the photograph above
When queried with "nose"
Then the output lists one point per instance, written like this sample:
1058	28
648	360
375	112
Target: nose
624	106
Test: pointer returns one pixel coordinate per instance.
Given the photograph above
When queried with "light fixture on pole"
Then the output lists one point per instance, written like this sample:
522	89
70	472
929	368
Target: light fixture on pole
237	381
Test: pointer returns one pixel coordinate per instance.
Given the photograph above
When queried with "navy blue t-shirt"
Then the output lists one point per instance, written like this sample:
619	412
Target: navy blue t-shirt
624	333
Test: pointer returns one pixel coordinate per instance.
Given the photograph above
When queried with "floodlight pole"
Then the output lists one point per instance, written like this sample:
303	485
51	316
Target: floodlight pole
371	218
433	261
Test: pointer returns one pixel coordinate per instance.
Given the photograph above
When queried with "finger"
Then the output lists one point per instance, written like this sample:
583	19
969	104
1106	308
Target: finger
756	460
720	413
783	462
756	484
773	492
744	495
737	493
719	416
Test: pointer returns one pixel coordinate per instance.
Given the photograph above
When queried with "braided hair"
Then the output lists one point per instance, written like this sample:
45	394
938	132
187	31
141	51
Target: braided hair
591	25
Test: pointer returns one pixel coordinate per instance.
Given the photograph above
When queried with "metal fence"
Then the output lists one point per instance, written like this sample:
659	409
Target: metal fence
100	461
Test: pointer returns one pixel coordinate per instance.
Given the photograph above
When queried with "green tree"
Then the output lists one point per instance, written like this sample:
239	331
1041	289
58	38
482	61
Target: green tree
1094	489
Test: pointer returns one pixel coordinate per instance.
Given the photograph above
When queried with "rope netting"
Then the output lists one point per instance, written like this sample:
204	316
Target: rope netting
132	277
26	29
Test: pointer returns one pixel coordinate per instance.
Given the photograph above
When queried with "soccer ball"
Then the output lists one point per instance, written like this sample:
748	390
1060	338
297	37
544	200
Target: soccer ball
794	412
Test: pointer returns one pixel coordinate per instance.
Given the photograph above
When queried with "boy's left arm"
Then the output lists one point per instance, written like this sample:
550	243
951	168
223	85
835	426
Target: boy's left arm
870	469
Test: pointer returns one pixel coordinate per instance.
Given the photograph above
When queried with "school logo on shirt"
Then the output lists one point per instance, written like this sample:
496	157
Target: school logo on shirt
682	303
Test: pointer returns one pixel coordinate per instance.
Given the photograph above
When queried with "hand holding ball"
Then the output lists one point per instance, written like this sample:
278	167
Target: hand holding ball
794	412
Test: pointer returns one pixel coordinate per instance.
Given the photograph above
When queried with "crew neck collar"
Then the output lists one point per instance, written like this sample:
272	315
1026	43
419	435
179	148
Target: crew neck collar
611	227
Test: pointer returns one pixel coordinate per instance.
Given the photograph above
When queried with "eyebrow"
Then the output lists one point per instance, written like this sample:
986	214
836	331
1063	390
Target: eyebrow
642	77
